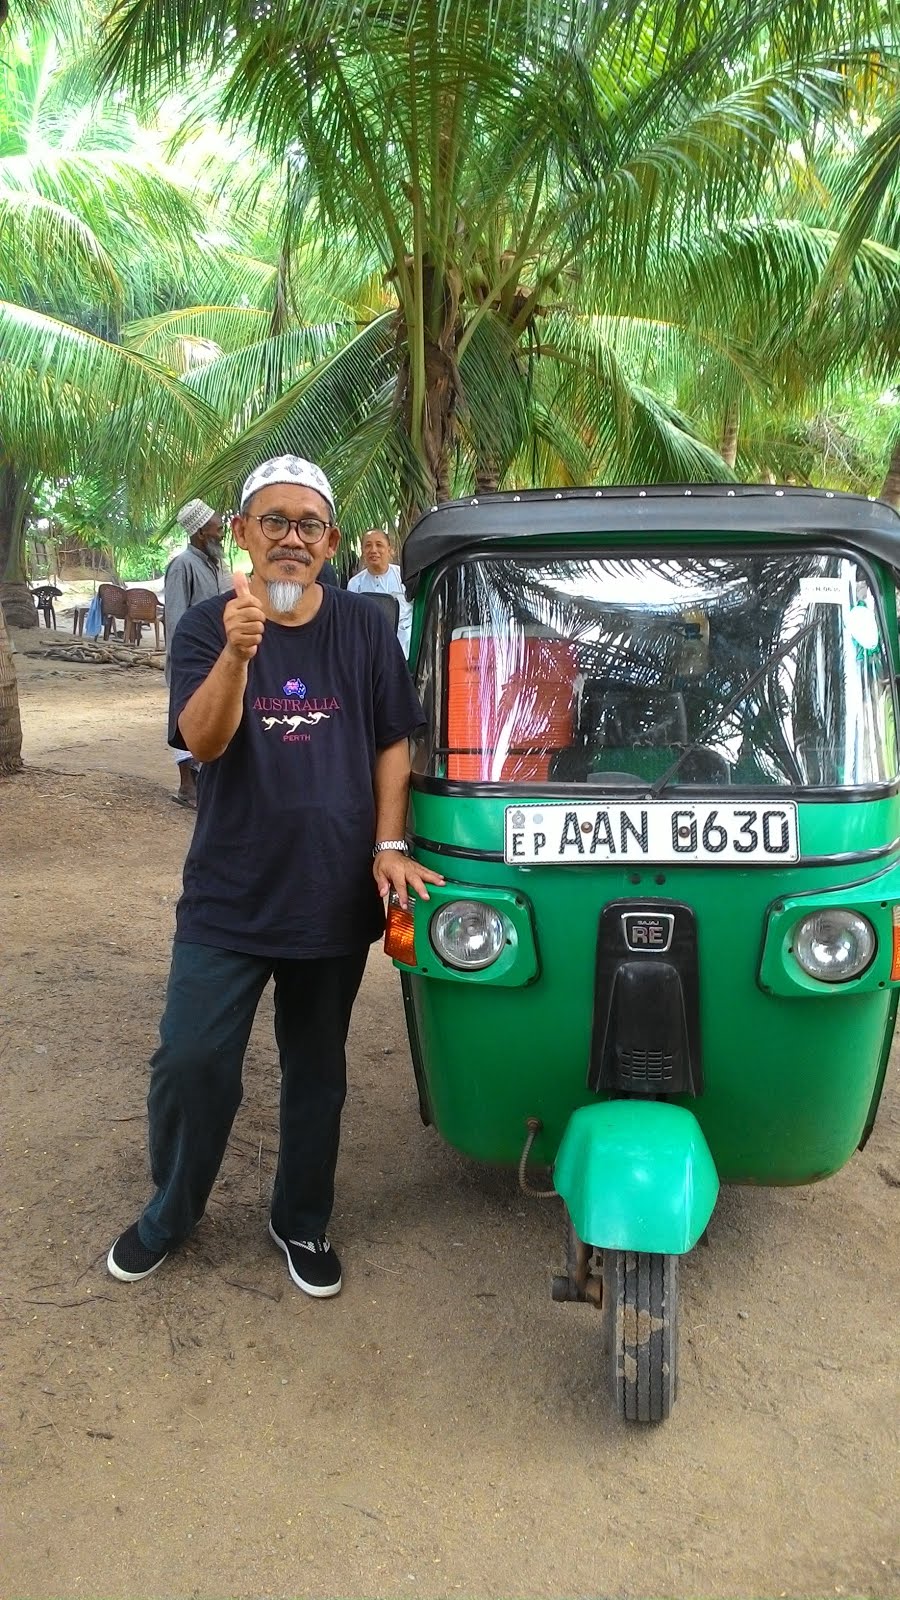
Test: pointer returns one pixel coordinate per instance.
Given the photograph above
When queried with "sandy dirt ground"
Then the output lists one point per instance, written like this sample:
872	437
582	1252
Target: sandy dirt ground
440	1428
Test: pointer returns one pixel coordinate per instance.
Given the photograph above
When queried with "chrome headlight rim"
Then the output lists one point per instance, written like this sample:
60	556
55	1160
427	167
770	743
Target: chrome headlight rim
808	931
454	909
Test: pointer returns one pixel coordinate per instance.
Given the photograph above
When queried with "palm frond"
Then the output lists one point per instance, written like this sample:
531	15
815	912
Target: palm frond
226	327
870	191
64	392
47	252
239	386
496	414
631	434
313	417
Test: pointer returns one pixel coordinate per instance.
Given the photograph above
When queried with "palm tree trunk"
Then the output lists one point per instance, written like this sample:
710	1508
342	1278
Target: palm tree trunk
16	501
442	390
429	380
10	721
487	475
729	444
437	432
890	489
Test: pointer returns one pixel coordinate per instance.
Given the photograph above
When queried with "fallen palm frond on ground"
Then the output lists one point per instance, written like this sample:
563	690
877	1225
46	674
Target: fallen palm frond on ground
86	652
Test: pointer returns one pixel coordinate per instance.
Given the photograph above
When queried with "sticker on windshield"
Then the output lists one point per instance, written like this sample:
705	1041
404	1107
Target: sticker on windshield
823	591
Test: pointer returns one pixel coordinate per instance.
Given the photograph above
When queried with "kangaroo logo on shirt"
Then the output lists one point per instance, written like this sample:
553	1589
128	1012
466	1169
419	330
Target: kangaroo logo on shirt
293	723
294	711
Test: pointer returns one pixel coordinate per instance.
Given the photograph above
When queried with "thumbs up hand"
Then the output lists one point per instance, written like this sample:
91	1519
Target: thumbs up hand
244	620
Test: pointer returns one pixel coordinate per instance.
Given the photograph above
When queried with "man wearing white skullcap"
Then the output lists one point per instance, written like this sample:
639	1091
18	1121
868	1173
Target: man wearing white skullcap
298	701
285	470
196	573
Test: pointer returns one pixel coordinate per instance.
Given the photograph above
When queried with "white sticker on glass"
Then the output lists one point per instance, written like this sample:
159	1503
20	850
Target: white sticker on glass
823	591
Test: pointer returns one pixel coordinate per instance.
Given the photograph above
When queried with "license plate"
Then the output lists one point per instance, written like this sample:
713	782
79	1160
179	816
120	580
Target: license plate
651	831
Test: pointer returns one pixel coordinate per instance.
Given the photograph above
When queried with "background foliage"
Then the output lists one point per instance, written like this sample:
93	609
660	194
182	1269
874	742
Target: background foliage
441	248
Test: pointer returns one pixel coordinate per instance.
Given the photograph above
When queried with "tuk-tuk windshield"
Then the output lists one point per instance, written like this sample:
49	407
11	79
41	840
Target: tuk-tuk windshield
604	669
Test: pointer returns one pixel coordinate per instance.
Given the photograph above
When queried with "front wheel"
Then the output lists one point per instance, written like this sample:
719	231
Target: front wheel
640	1312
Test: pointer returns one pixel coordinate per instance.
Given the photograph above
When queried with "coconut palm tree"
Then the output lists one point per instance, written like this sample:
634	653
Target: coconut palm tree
503	164
863	178
10	722
96	231
93	230
873	189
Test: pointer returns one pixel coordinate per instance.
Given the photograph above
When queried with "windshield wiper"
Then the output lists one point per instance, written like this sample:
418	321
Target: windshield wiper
698	744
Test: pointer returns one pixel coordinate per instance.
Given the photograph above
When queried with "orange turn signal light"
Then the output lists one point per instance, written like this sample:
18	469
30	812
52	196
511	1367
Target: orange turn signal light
895	945
400	934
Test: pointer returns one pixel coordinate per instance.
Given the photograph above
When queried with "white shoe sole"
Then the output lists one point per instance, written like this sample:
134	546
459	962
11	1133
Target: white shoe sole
131	1277
316	1290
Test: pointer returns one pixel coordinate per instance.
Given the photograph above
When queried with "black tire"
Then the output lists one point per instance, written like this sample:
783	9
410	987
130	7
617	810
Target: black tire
640	1304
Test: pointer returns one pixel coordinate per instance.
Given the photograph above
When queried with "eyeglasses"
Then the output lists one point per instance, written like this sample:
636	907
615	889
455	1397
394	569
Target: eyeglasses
275	527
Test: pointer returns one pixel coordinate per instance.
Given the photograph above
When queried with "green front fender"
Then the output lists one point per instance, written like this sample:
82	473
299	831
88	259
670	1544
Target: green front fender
636	1175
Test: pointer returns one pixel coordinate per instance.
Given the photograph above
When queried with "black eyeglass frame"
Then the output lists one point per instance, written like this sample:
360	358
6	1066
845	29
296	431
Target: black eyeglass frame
289	523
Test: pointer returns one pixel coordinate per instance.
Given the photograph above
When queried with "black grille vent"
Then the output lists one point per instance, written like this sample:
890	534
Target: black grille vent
646	1038
645	1066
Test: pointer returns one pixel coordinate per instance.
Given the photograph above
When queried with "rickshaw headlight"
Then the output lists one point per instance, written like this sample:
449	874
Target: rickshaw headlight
468	934
834	945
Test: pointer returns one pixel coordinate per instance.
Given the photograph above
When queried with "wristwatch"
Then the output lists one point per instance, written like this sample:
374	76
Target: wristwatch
391	844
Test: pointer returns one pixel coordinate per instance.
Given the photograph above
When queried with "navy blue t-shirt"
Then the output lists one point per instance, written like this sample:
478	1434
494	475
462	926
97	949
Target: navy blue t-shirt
281	860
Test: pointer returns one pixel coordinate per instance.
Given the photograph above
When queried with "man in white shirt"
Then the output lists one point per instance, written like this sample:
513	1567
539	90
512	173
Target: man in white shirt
380	577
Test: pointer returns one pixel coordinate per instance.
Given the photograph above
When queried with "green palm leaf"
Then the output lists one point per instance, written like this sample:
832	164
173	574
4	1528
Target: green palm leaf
47	251
64	392
870	191
224	327
314	417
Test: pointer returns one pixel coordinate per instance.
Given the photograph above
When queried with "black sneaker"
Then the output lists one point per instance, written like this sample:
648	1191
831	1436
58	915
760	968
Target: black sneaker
312	1264
130	1260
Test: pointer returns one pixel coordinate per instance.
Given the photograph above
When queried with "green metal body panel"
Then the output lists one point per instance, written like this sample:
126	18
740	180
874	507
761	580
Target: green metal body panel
517	962
789	1078
475	823
636	1175
780	974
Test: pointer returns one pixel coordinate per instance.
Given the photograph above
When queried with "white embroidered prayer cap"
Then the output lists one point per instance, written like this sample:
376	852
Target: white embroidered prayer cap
194	516
288	469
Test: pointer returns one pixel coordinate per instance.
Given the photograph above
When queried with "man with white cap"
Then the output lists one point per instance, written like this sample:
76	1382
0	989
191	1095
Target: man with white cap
297	699
195	574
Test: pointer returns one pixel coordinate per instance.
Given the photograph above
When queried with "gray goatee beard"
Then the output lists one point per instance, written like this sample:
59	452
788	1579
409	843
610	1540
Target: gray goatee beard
283	595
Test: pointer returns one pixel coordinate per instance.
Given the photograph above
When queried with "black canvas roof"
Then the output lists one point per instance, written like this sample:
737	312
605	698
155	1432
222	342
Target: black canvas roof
868	524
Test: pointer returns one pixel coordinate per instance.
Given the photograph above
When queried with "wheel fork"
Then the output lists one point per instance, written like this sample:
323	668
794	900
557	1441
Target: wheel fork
578	1282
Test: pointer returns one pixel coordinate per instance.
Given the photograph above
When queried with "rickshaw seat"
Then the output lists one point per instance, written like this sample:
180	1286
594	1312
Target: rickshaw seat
621	716
571	766
647	763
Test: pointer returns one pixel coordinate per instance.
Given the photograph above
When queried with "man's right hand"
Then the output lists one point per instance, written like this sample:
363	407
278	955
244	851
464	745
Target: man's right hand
244	620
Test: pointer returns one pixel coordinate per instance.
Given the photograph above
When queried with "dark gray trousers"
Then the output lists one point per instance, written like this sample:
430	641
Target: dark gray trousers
196	1087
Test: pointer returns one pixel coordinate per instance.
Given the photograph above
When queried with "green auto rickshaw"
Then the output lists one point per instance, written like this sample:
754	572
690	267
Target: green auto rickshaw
660	775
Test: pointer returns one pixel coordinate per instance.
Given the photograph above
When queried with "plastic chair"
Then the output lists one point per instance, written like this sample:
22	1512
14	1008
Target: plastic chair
44	596
389	604
141	605
112	606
